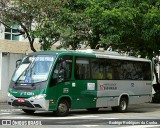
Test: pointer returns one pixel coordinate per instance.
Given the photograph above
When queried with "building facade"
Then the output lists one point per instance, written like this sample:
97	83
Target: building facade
12	48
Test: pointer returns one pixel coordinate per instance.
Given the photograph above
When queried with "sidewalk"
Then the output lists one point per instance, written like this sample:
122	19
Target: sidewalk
4	105
5	108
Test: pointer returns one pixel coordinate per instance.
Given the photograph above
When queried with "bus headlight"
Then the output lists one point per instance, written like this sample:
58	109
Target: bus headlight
40	96
10	95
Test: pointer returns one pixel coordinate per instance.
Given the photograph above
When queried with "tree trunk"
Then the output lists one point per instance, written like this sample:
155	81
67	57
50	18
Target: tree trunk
32	46
31	40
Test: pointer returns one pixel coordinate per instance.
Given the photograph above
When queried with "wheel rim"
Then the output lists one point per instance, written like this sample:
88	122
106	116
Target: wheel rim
123	105
62	107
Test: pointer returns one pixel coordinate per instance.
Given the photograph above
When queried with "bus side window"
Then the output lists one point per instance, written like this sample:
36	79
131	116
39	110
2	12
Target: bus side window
63	69
82	69
77	76
98	67
115	73
109	73
146	71
113	69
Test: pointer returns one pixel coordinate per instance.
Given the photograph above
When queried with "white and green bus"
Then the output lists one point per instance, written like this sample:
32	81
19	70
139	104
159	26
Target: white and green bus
86	79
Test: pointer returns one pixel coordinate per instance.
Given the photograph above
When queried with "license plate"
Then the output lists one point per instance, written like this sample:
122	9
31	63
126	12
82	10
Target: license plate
21	100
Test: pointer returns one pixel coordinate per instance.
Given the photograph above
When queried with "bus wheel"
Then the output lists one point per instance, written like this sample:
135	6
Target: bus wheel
92	109
63	108
123	105
28	111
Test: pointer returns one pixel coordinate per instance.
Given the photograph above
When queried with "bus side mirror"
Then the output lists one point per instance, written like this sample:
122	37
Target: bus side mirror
18	62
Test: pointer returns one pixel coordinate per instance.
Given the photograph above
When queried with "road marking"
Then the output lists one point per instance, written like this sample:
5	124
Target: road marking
143	126
4	113
10	110
25	116
58	118
136	126
90	125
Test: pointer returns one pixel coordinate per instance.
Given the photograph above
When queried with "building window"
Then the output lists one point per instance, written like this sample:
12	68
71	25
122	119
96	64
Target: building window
11	33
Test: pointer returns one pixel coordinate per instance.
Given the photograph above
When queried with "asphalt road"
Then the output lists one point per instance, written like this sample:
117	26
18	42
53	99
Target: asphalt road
143	115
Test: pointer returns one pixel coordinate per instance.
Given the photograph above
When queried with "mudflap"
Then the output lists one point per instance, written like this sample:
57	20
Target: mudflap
156	87
156	97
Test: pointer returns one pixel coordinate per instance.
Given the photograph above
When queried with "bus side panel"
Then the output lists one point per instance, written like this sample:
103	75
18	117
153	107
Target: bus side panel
84	94
52	97
81	92
140	99
110	91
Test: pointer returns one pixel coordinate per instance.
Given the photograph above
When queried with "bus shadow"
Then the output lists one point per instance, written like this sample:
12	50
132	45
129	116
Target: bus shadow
71	113
85	113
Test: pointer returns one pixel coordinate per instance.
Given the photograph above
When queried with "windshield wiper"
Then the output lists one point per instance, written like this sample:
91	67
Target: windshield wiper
25	71
32	84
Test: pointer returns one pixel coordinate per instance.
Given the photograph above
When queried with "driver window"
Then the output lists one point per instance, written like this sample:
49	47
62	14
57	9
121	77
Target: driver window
63	69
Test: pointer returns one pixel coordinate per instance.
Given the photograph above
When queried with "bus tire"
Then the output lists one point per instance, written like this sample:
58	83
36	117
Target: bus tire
28	111
123	105
63	108
92	109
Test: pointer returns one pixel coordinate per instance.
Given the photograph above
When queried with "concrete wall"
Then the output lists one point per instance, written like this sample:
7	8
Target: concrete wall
17	46
0	73
8	65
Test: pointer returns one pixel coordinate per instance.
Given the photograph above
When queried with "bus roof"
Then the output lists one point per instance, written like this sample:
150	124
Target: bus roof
96	53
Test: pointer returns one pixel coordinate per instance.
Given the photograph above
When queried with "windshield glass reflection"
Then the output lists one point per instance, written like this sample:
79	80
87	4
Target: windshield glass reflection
33	69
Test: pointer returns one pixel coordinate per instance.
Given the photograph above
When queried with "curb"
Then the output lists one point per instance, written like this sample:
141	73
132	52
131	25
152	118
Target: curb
4	105
5	108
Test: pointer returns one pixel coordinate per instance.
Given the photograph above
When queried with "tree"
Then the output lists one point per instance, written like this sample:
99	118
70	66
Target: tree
73	23
130	26
33	16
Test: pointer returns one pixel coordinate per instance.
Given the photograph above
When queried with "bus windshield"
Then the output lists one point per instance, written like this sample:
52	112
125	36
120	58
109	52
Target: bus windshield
33	69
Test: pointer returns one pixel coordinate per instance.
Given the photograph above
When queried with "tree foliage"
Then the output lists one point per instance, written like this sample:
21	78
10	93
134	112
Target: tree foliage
131	26
126	25
35	17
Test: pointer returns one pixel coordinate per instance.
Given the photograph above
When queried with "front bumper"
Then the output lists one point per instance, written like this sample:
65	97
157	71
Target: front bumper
37	104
